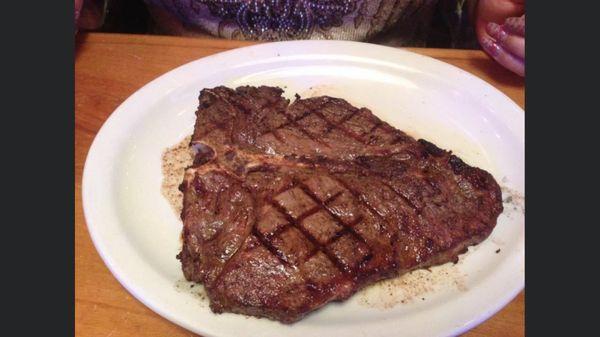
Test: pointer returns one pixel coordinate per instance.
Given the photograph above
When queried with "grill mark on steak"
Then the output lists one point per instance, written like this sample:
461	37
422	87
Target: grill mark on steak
362	200
290	121
346	229
347	117
324	207
294	123
308	213
332	198
333	219
267	244
227	101
308	134
319	247
277	232
331	126
403	198
233	256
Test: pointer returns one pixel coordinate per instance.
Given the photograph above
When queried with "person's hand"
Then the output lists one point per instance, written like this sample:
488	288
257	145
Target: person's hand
500	27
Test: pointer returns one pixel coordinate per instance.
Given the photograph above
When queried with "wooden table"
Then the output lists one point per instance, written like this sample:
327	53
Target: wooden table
109	68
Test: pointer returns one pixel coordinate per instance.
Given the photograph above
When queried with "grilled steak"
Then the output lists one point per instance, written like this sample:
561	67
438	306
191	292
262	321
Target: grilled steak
289	206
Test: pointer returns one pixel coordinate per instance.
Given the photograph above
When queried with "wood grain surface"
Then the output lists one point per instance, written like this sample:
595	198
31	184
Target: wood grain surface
109	68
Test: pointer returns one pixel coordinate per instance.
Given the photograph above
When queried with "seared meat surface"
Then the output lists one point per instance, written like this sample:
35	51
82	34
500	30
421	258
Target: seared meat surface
291	205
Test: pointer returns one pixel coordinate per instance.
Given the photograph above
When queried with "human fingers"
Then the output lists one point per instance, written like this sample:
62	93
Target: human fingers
502	56
515	25
514	44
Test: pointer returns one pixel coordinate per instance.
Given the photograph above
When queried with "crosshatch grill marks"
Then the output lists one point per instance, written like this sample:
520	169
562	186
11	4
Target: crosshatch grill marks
308	213
246	111
364	138
348	230
239	108
364	202
321	226
297	255
295	201
340	126
332	126
318	247
364	249
294	245
347	117
290	121
308	134
333	215
294	124
261	238
278	231
267	244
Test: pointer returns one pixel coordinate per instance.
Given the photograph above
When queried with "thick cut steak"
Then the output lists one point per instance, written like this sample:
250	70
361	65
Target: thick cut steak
289	206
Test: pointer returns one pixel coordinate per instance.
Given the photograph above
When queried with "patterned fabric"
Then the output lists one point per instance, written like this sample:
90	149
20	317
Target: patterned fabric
278	19
298	19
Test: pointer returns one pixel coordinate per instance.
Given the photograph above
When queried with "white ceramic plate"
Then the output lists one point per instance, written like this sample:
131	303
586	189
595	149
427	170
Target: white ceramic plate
137	233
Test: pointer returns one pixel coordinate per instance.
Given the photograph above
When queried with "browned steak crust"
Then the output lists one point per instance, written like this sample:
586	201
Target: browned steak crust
291	206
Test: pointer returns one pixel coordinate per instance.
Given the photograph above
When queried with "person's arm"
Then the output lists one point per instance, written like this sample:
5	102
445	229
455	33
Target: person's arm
500	28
